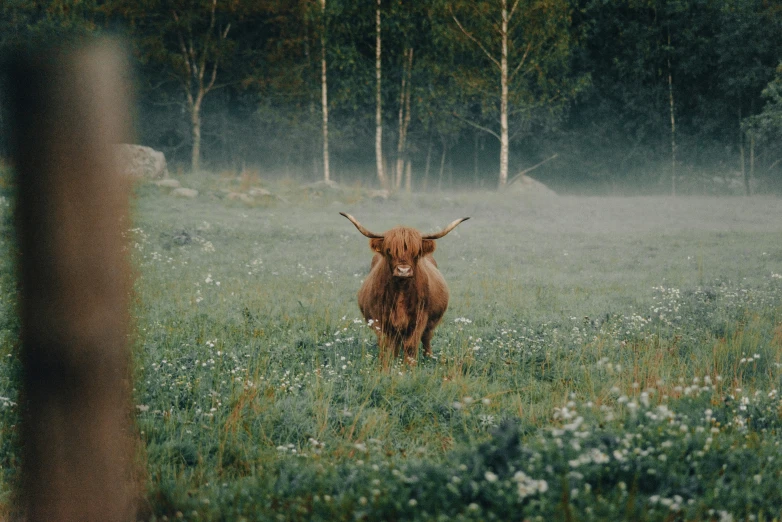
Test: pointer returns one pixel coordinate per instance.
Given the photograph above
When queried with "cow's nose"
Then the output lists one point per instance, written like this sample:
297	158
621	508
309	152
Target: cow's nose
403	271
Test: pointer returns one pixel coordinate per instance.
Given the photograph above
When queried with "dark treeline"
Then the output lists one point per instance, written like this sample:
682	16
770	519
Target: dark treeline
666	96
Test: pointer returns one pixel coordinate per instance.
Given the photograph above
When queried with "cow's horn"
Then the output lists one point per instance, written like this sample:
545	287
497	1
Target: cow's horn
444	231
361	228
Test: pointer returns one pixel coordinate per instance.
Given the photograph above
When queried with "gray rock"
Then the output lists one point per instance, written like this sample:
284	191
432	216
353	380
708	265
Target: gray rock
257	192
140	162
184	192
240	196
182	237
527	185
381	194
167	183
323	184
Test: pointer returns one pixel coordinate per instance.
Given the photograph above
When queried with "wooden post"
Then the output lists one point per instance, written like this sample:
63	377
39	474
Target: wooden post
69	108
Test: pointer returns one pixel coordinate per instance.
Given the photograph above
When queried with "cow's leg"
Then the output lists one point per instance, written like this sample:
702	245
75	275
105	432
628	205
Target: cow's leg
426	339
389	346
411	353
397	343
385	351
426	336
413	341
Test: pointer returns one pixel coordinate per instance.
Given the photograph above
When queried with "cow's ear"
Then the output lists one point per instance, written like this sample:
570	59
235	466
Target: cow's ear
376	244
427	247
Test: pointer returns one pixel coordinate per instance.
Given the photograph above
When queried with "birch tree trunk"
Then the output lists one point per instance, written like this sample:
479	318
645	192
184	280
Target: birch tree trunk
381	175
311	105
442	169
324	95
475	159
409	167
408	176
742	158
748	179
504	138
400	162
673	123
194	85
428	161
195	124
404	116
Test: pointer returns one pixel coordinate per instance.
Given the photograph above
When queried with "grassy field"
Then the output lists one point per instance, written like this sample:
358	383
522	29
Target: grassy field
601	359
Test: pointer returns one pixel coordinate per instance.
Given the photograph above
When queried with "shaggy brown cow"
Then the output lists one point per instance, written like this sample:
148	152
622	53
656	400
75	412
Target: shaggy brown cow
404	296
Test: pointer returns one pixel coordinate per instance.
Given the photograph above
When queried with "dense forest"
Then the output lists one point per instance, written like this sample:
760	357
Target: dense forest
617	96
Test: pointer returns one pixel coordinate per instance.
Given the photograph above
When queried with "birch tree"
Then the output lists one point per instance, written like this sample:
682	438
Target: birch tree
766	127
191	40
527	45
199	54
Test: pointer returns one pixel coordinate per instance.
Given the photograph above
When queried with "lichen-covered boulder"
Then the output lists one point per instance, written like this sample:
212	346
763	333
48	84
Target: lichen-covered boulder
524	184
170	183
184	193
141	162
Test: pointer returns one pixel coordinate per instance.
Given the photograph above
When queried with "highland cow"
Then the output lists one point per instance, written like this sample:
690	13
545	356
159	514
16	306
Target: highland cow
404	296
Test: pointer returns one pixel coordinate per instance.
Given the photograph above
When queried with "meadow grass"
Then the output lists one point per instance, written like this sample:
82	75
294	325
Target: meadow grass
601	359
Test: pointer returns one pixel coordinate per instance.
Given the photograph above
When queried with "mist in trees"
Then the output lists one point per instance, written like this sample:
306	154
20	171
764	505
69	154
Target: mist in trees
619	96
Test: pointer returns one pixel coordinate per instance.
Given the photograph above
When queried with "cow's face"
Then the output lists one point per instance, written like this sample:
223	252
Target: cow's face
401	248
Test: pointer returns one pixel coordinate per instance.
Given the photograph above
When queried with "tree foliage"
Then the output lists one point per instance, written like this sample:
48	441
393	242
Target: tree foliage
588	80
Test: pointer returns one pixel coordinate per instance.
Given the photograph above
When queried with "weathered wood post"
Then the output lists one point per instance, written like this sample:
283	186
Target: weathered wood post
69	107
